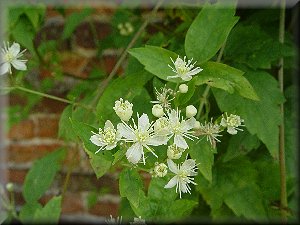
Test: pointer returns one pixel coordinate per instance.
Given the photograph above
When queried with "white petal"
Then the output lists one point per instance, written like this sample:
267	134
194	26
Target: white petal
173	117
180	142
19	65
188	164
125	131
183	186
231	130
143	122
108	124
172	182
134	153
223	122
110	147
189	124
4	68
158	140
95	139
14	49
172	166
186	77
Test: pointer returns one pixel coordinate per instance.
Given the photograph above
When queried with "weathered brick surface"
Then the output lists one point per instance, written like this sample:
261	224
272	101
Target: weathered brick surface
22	130
18	153
16	175
47	127
104	209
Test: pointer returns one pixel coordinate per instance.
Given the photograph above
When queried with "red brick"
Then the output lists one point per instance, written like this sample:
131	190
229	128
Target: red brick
47	127
72	157
47	105
104	209
16	176
22	130
21	154
109	63
72	203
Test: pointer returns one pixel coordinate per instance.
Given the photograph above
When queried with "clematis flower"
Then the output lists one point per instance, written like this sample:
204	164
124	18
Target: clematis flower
106	138
141	135
232	123
112	220
138	221
123	109
10	57
160	170
183	175
211	131
174	152
181	128
184	70
164	97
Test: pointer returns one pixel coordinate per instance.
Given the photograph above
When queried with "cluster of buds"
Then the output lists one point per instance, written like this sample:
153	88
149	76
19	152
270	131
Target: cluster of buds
125	29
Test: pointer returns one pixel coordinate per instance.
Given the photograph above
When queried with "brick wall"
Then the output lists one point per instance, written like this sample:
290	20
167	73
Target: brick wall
36	136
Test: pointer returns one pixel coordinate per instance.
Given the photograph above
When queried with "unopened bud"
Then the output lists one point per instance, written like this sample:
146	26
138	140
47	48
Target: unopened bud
190	111
183	88
157	110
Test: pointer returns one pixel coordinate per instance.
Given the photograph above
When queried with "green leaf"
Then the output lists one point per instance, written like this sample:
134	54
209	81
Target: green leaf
65	126
73	20
156	60
251	45
35	15
23	33
3	216
183	98
50	213
156	190
240	144
224	77
125	210
100	162
126	87
203	153
209	31
28	210
41	175
84	132
181	208
119	155
261	117
234	183
131	186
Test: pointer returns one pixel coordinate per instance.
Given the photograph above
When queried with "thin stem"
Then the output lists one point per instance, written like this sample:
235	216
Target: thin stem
52	97
104	84
207	88
283	194
131	166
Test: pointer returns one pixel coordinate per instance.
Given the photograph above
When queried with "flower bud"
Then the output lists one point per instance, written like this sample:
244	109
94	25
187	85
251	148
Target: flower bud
190	111
157	110
123	109
10	187
174	152
197	125
183	88
160	169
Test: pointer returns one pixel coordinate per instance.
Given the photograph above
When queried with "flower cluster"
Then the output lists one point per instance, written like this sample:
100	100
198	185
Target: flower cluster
168	128
125	29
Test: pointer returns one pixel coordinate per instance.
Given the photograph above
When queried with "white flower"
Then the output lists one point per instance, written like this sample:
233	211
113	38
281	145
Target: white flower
197	125
112	220
123	109
183	174
141	135
164	97
10	57
138	221
183	88
190	111
157	110
160	170
106	138
211	131
180	129
184	70
174	152
232	123
161	126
